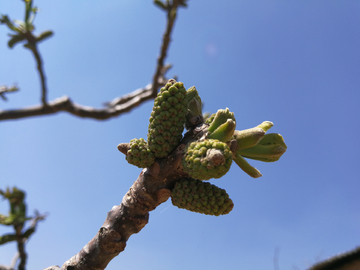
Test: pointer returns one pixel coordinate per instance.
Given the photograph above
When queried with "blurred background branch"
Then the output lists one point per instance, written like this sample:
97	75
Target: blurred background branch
17	218
23	31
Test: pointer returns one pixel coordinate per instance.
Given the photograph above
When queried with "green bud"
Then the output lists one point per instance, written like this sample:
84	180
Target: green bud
220	118
266	125
224	132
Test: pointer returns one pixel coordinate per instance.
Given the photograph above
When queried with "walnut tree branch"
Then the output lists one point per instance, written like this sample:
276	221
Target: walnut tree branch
150	190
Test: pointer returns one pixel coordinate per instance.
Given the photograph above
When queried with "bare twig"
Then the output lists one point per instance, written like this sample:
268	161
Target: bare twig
4	89
113	108
32	46
171	16
42	75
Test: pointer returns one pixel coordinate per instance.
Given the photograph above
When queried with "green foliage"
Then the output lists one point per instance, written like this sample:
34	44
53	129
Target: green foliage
246	167
248	137
44	35
15	39
17	216
23	29
17	213
167	5
201	197
269	149
212	147
253	143
6	238
224	132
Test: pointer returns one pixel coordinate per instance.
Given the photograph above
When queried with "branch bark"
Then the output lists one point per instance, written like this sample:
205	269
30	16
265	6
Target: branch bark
150	190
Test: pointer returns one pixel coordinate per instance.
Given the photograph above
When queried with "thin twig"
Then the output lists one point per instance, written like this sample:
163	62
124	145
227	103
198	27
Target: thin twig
42	75
4	89
32	46
165	45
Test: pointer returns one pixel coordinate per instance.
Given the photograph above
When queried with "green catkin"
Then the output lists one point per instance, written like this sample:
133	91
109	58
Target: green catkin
167	119
139	154
201	197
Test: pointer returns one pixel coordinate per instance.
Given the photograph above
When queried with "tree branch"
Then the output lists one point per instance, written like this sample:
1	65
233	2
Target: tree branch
150	190
42	75
114	108
4	89
171	16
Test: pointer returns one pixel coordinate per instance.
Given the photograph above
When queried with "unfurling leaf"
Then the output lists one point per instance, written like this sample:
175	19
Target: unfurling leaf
224	132
246	167
7	238
160	4
269	149
44	35
15	39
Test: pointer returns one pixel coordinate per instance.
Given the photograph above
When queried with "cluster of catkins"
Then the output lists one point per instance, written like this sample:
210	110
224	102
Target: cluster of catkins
209	156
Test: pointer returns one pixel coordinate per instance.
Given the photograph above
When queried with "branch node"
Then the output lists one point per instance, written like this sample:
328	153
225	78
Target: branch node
163	195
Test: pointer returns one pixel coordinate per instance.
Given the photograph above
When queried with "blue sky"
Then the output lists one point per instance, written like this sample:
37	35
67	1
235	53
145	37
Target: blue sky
295	63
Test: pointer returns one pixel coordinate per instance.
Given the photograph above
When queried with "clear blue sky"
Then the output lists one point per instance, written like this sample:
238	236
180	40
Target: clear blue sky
295	63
